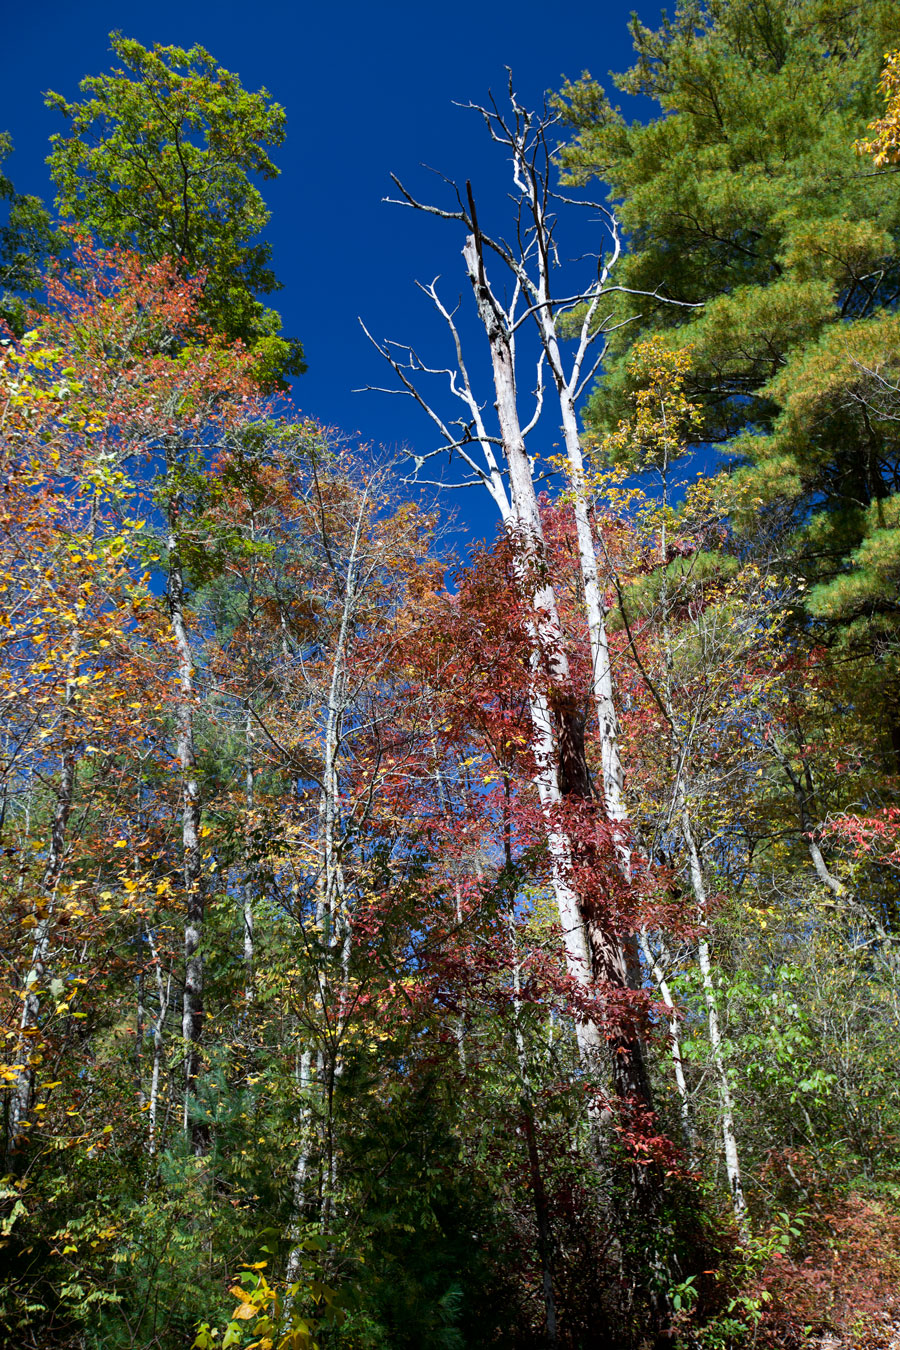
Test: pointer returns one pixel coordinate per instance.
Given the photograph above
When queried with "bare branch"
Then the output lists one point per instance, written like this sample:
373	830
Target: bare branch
580	388
410	200
409	386
539	397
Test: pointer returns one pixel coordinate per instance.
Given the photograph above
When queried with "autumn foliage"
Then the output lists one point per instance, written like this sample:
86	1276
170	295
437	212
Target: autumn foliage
378	971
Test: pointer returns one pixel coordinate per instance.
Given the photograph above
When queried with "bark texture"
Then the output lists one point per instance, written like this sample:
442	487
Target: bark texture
192	862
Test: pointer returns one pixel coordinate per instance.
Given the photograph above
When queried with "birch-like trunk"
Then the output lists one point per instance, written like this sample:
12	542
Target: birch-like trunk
717	1051
300	1173
461	1019
594	951
192	864
591	950
568	384
679	755
446	807
665	993
595	612
332	914
163	999
802	798
249	781
22	1092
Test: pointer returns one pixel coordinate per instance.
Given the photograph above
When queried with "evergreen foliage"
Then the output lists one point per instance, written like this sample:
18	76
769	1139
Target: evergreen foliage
27	240
750	198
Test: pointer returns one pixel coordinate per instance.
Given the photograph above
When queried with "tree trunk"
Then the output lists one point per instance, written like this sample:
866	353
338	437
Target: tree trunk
332	916
726	1101
591	951
192	862
698	887
22	1094
163	1003
301	1170
247	888
249	779
621	953
687	1125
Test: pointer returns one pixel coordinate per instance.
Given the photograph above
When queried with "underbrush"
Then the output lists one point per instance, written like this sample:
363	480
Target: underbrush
828	1270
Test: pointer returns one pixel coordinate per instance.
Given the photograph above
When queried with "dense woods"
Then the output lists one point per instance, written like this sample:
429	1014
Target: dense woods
414	943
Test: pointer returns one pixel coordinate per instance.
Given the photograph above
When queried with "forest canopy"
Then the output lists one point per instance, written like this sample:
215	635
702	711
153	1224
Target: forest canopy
413	943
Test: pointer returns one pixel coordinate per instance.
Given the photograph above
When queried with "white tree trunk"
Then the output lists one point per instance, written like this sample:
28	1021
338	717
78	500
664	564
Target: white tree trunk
22	1092
679	754
301	1170
590	950
332	912
717	1052
662	984
163	998
192	1006
249	779
247	888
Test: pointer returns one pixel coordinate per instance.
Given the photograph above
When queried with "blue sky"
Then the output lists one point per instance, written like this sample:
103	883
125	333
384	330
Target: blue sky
368	90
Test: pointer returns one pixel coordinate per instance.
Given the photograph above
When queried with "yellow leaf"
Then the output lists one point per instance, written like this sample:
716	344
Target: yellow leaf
244	1312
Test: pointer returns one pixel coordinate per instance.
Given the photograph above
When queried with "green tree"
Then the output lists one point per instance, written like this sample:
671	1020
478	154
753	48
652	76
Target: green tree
160	157
27	238
748	198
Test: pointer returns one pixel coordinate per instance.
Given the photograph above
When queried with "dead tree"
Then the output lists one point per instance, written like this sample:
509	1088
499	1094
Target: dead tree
495	457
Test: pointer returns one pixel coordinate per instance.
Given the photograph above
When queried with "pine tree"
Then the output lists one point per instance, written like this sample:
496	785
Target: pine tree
750	199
